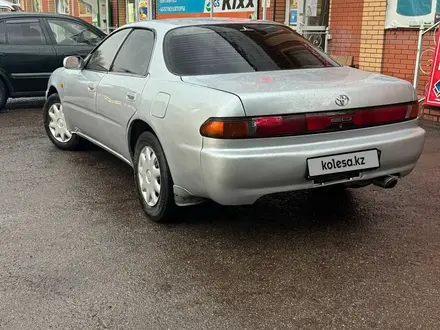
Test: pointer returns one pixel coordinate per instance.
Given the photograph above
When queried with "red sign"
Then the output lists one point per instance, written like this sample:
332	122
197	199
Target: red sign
433	92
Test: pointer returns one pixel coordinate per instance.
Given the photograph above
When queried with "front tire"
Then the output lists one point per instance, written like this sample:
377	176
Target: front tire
3	95
154	184
55	125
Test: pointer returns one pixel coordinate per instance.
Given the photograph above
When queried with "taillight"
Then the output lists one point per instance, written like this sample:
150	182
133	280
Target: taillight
241	128
285	125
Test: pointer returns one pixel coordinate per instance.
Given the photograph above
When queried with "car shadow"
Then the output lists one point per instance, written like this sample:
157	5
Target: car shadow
24	103
316	209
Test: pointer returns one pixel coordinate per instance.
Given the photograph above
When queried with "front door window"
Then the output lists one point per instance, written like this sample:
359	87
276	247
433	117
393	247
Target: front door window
69	33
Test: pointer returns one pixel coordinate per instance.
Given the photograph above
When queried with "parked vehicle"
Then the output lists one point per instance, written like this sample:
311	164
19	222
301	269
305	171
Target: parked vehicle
33	45
232	110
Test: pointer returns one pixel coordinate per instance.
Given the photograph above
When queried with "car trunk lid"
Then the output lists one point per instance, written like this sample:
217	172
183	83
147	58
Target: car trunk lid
308	90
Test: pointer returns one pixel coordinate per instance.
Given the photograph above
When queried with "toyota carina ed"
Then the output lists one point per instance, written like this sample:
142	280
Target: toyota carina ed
232	110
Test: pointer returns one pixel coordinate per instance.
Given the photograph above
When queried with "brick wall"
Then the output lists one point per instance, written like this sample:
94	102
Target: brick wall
432	114
372	36
399	59
345	27
400	55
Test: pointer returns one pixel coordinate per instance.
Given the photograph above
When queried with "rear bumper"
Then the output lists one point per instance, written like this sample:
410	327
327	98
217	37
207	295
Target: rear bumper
240	172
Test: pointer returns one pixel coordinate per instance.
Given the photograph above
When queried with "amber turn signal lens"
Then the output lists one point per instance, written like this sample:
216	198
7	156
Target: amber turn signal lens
415	108
226	129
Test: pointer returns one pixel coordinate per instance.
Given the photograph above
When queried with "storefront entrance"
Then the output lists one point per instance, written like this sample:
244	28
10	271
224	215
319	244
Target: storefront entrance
309	18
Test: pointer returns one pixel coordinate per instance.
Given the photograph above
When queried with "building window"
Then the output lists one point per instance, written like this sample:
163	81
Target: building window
62	6
131	11
307	13
85	9
37	6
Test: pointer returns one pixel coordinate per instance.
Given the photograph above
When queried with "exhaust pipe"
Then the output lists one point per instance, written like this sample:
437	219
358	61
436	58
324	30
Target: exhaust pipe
387	182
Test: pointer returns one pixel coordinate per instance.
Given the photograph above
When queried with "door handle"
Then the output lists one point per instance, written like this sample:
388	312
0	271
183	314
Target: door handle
91	87
130	97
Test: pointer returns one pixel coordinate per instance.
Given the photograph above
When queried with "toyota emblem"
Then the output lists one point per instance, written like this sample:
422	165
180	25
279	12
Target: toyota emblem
342	100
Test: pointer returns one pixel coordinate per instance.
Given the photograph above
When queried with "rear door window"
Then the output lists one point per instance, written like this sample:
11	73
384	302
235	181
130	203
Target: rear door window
135	54
25	32
236	48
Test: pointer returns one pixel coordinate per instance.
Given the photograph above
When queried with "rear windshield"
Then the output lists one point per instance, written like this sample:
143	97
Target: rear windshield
237	48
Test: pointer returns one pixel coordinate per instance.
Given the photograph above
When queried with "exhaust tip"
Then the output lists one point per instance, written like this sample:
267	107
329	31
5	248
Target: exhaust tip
387	182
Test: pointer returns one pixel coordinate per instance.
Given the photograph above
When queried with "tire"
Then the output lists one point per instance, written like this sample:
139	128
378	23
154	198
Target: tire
161	207
3	95
70	143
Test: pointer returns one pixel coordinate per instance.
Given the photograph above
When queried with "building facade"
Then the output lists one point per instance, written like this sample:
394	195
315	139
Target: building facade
374	35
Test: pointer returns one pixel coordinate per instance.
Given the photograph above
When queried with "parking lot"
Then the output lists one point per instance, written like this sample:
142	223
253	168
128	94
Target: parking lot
76	251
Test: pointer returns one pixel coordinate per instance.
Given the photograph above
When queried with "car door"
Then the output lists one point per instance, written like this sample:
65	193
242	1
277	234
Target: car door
79	99
27	56
120	91
71	37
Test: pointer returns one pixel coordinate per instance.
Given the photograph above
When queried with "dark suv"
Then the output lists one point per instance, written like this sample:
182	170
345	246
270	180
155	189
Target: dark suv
33	45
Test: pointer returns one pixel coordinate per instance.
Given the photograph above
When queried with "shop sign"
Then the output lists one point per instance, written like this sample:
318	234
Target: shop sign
433	91
143	10
293	18
202	8
411	13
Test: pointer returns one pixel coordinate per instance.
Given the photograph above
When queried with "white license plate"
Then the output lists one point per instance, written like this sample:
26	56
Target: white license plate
354	161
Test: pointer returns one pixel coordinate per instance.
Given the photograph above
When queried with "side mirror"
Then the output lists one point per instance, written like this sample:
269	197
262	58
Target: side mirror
73	62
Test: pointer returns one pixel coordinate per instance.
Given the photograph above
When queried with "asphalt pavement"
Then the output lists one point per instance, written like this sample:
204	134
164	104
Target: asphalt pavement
76	251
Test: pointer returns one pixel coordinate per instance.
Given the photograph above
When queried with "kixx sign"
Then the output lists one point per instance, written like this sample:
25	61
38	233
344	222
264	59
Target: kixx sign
234	5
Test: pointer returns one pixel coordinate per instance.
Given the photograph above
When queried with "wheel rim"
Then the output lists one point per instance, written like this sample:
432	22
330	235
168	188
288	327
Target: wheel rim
57	123
149	176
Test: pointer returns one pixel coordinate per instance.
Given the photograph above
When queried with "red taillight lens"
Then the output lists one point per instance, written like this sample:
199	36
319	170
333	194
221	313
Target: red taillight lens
279	125
380	115
272	126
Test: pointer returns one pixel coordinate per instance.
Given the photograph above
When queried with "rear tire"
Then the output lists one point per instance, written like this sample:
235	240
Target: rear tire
3	95
152	176
55	125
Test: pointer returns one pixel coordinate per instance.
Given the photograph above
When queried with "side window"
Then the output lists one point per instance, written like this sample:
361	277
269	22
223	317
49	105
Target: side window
135	54
24	32
103	56
2	33
70	33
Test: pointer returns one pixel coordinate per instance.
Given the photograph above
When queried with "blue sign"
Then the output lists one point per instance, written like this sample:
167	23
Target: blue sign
293	18
414	7
180	6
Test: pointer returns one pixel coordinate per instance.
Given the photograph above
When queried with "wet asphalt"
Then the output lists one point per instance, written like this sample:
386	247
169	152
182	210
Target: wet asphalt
76	252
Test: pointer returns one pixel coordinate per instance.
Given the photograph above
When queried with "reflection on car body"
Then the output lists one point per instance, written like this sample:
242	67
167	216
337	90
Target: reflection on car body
258	111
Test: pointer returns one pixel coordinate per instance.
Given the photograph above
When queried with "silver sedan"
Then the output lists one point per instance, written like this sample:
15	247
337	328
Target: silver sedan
232	110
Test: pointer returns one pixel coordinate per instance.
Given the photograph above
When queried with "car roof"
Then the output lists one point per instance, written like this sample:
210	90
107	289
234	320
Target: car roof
171	23
21	14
